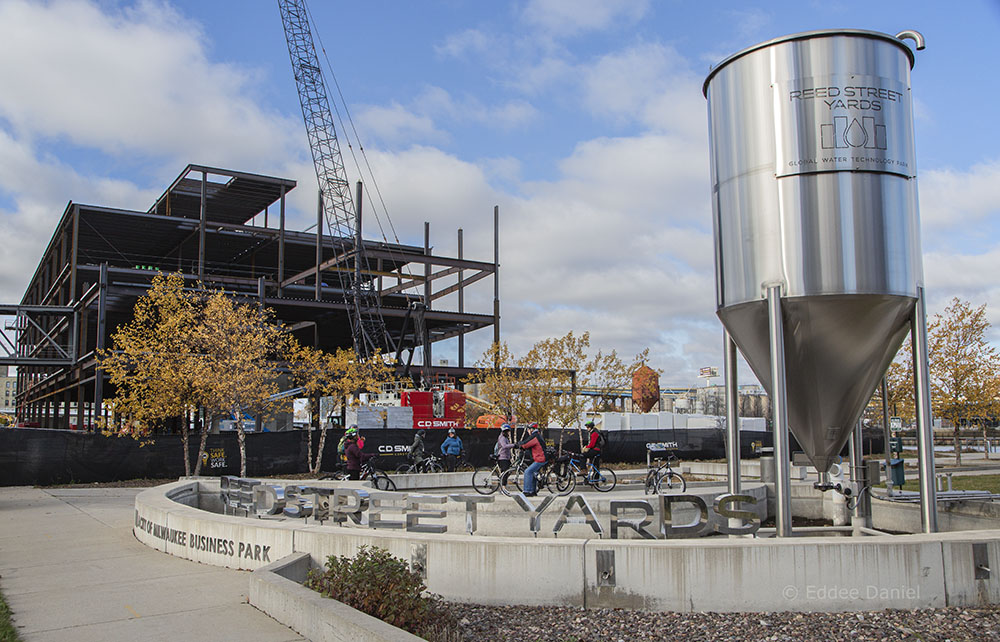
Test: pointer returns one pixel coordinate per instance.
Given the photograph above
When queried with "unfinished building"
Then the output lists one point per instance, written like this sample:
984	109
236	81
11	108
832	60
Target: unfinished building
227	230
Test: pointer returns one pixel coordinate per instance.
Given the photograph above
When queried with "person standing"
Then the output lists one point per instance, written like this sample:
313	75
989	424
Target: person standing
503	448
451	448
534	443
355	458
417	452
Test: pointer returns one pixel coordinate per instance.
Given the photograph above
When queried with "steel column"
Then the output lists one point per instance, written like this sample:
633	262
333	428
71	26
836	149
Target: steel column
732	413
886	436
925	425
102	314
496	274
856	455
202	223
281	243
319	244
461	306
779	410
428	357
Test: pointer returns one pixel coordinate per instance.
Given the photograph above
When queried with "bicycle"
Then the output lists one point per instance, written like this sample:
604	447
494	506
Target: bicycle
600	478
462	464
547	477
664	479
429	464
486	481
378	479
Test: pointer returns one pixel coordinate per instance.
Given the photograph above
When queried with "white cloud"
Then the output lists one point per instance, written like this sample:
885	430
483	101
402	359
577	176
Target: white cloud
951	198
395	124
573	17
127	86
470	41
129	81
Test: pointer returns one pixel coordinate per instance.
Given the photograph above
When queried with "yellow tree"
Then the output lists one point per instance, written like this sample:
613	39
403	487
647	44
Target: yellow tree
238	346
964	368
341	375
151	364
498	379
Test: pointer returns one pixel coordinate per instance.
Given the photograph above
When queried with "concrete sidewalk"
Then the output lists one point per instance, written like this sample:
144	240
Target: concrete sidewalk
70	569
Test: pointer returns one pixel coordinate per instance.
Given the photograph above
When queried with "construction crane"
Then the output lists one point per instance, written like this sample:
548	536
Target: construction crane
368	330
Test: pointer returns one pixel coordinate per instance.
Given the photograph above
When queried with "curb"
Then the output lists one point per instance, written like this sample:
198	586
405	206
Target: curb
276	589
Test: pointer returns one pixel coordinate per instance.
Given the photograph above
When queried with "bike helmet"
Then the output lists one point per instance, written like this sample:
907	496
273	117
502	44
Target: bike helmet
353	430
589	424
421	432
504	427
533	425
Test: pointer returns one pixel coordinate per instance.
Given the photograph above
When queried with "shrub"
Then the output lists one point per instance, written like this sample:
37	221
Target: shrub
383	586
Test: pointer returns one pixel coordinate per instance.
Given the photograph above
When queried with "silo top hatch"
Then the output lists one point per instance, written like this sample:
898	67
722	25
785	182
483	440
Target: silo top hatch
807	35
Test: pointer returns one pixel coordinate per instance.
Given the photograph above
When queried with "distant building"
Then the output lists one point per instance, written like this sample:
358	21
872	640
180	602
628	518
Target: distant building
8	386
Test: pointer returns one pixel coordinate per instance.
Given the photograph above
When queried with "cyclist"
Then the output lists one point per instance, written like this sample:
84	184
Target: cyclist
355	458
417	452
451	448
503	448
533	442
592	451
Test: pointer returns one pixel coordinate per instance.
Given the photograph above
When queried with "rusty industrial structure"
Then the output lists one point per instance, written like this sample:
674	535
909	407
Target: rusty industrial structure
225	229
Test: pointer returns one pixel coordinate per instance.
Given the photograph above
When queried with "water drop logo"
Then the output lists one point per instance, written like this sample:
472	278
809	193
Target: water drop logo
847	132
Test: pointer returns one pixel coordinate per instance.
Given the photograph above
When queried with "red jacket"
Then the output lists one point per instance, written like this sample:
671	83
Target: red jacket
594	436
534	442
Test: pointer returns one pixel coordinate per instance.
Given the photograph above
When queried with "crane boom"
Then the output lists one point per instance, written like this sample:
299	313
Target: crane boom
368	329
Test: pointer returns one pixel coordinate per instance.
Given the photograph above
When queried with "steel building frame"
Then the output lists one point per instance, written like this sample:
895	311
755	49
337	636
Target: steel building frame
215	226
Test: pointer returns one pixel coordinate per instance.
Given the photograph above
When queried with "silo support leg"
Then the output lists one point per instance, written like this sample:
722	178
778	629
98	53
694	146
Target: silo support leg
925	426
779	410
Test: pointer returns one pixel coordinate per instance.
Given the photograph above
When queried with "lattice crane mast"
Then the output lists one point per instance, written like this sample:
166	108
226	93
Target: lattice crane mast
368	328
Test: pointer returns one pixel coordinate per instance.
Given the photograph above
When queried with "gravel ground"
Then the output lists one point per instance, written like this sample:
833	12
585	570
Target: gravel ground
560	624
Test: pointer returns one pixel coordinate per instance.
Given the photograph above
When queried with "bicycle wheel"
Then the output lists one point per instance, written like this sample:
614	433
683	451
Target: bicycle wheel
434	467
649	486
485	481
670	482
511	481
403	469
563	484
381	481
605	480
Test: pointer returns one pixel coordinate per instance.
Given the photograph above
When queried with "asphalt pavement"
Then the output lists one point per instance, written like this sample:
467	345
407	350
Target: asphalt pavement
70	569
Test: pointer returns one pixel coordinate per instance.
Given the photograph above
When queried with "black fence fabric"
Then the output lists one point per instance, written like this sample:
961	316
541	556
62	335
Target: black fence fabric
38	456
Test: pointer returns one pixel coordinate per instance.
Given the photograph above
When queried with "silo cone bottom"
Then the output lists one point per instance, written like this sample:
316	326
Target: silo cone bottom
837	348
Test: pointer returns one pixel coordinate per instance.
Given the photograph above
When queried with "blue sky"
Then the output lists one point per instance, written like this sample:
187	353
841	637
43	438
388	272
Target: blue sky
582	119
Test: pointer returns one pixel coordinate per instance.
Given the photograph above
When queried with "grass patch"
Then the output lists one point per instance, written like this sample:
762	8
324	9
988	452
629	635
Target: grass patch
8	633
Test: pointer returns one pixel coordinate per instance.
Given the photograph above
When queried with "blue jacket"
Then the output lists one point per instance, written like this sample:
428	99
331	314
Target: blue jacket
451	446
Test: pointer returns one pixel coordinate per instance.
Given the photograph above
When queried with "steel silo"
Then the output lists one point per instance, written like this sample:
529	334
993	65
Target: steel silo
814	191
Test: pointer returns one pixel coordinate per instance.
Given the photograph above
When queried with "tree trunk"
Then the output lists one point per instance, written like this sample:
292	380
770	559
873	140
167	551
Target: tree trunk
241	437
986	444
309	448
200	457
319	450
184	443
958	446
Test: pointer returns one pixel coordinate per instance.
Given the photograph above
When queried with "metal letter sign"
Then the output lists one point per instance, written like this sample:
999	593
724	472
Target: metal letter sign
843	122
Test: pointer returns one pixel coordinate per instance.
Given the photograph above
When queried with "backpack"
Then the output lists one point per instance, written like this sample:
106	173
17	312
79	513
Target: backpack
602	439
496	449
342	446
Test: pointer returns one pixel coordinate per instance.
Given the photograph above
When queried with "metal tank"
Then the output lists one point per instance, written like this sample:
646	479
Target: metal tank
814	191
